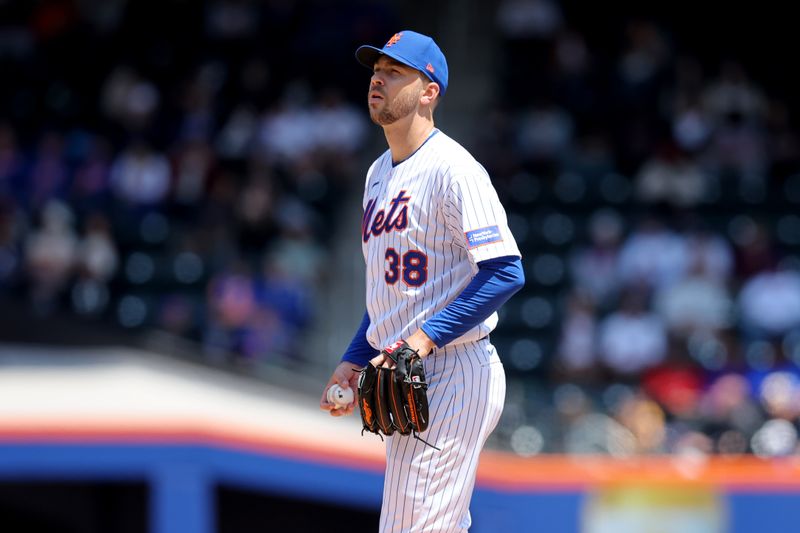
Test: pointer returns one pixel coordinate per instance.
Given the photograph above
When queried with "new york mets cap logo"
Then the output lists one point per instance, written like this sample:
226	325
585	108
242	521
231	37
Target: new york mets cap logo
393	39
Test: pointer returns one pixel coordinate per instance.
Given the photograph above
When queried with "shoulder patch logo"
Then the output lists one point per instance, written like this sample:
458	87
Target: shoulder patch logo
481	236
393	39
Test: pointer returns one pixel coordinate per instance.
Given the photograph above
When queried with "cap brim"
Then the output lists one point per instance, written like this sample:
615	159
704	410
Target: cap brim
368	55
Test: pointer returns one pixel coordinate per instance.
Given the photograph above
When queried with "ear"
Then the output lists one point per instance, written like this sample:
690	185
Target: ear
429	93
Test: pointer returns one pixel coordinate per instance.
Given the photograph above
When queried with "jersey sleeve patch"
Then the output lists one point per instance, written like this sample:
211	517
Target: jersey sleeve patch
481	236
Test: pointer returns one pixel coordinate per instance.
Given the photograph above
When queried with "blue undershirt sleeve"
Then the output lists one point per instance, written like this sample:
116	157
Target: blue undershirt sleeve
360	352
496	281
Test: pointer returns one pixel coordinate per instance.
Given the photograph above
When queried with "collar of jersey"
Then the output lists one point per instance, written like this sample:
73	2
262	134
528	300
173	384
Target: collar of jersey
434	132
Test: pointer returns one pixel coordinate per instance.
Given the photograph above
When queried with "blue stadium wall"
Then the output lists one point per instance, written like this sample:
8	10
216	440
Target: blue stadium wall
513	494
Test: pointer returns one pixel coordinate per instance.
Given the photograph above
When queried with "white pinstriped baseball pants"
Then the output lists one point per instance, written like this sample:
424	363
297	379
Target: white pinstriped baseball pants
430	490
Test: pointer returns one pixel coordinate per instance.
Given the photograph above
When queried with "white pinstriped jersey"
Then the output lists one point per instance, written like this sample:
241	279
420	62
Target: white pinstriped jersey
427	222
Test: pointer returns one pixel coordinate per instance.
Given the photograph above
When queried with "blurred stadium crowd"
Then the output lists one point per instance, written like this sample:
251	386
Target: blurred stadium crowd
191	184
186	179
656	195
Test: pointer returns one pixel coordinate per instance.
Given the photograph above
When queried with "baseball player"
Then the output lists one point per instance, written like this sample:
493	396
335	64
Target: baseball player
440	261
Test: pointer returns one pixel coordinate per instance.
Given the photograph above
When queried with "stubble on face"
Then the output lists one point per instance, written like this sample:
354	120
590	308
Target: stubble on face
402	106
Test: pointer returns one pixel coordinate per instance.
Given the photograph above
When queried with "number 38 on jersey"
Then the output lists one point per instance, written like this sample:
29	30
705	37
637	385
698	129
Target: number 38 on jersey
412	266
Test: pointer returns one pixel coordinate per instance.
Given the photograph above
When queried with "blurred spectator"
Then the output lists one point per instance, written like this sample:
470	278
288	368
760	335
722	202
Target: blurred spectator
643	62
691	122
591	157
780	394
632	339
177	314
285	302
140	176
525	19
255	210
596	433
769	304
232	20
295	253
235	138
577	347
51	252
646	421
595	268
691	127
287	132
671	176
310	182
97	253
776	438
734	93
739	108
129	99
232	309
696	302
95	267
676	383
709	251
738	151
544	134
653	255
729	412
339	125
692	443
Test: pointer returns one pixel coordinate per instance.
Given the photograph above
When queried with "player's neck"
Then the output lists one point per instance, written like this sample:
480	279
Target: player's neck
405	138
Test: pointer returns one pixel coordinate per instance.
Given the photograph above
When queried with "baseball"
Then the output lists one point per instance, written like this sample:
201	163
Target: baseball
339	397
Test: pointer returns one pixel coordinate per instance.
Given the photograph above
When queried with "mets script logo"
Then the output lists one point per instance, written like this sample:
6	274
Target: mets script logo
393	39
396	218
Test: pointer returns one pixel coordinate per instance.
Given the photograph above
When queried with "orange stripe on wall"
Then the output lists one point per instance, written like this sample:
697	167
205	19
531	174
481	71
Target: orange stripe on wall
569	472
497	470
182	433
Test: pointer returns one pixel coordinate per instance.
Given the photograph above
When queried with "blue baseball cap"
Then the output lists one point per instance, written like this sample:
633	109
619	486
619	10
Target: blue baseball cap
413	49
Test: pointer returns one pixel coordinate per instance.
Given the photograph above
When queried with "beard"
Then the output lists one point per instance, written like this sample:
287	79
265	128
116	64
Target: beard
402	106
